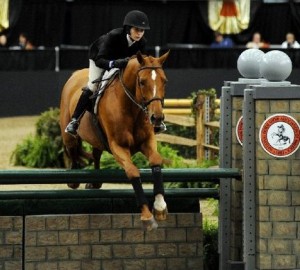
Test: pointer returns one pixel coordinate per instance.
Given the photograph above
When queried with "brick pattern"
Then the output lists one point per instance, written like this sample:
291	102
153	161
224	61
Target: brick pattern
278	197
113	242
236	186
11	243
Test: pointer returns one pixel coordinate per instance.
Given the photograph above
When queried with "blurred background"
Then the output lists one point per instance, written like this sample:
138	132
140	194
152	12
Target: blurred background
78	22
60	31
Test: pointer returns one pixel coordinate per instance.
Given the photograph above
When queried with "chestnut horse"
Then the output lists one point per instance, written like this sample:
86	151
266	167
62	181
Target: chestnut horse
129	110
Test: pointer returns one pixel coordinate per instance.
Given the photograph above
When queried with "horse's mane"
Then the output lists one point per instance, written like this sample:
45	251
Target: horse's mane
150	57
135	56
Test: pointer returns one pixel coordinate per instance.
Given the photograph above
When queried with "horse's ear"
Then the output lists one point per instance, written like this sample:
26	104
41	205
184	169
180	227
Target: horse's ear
140	58
163	58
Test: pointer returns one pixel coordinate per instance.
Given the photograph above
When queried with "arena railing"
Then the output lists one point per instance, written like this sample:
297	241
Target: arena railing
71	57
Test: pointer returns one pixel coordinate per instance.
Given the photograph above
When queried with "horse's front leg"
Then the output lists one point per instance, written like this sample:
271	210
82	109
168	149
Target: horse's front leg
160	209
148	221
123	157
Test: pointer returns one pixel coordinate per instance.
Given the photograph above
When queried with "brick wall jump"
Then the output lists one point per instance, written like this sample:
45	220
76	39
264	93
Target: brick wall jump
101	241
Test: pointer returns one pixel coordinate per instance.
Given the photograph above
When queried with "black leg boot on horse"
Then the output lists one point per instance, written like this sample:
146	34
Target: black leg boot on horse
150	223
80	109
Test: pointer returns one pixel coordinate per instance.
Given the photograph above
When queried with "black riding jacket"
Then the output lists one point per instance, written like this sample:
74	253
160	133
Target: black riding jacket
113	46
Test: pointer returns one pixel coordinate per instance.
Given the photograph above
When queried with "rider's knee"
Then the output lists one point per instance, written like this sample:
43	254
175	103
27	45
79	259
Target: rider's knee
92	86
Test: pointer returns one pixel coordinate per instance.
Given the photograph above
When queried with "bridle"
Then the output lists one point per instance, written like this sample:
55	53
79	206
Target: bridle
145	103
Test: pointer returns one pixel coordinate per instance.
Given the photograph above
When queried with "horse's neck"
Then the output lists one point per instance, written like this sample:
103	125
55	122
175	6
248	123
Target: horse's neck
129	78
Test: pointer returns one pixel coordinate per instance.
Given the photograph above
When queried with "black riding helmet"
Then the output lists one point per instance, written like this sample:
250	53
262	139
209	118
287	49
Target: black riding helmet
136	18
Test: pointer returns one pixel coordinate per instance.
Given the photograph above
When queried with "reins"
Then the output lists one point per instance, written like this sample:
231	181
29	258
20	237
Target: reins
131	97
143	105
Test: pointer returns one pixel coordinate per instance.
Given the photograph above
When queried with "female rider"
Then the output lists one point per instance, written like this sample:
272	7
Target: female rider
111	50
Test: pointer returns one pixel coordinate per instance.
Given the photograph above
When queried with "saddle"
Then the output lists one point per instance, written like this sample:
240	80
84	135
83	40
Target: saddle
103	83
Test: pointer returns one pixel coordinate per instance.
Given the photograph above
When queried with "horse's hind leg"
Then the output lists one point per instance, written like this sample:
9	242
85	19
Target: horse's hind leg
74	152
96	156
75	164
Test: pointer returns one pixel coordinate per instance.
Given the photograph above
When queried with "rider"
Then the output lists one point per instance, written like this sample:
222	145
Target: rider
111	50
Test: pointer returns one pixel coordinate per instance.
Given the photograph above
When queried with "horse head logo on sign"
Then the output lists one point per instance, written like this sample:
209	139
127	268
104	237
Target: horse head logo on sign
280	135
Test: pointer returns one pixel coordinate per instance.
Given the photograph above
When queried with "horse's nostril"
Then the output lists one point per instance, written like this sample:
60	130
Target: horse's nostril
157	119
152	118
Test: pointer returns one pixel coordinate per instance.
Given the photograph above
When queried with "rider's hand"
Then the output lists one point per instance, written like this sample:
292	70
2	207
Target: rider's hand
120	63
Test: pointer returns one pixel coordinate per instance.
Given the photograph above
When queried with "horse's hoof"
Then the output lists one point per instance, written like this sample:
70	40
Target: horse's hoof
149	224
73	185
160	215
93	186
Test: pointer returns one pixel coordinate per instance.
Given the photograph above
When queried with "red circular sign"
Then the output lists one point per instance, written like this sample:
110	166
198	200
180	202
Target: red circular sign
239	130
279	135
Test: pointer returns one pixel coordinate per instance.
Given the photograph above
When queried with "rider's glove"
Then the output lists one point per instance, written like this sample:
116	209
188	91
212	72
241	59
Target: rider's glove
120	63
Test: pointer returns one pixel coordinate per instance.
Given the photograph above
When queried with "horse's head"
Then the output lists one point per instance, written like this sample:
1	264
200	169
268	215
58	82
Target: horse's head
150	86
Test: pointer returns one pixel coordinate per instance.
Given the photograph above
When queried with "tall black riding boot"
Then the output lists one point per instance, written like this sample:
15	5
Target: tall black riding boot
81	106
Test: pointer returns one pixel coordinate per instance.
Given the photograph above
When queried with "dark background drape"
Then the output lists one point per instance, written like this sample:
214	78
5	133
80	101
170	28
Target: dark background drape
55	22
30	78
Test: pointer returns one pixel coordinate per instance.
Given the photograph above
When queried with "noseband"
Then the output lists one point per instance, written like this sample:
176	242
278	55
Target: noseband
143	106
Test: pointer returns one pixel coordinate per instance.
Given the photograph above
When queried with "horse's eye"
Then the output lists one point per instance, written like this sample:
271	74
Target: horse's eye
142	82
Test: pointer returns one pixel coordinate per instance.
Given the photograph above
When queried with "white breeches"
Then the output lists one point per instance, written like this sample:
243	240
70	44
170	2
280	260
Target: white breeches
94	74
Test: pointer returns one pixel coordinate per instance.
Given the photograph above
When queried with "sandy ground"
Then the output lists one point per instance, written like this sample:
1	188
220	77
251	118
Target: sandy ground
15	129
12	132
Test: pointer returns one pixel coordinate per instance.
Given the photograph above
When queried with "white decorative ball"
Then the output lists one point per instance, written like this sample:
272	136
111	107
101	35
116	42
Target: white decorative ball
276	66
248	63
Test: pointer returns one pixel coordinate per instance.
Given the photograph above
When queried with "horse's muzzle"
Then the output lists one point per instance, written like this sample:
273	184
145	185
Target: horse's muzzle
156	120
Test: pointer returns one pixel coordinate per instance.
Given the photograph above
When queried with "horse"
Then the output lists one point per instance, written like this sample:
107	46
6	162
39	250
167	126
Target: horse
128	111
281	137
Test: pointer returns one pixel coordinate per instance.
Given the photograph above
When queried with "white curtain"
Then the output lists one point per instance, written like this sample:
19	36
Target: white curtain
229	16
4	14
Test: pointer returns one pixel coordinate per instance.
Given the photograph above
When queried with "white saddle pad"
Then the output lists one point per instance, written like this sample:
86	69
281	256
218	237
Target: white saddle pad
105	79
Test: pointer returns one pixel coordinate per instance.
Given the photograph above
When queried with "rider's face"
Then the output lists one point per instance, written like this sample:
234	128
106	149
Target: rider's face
136	33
